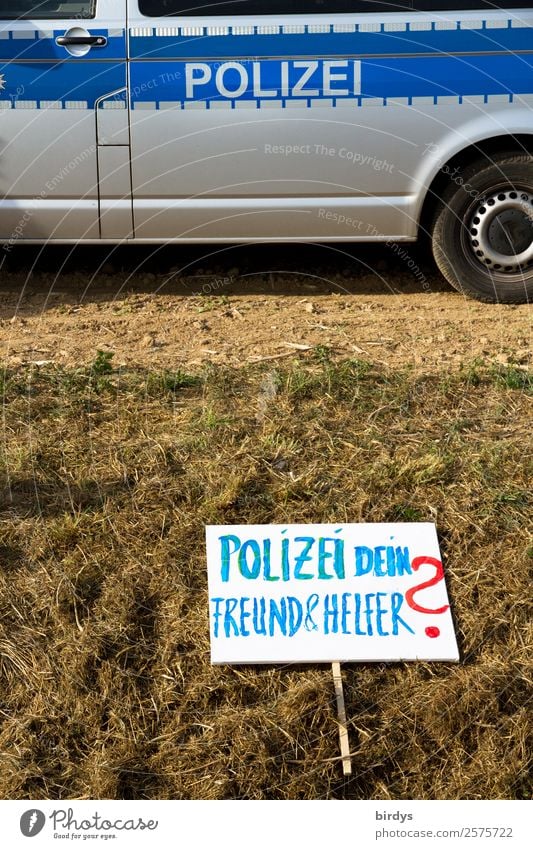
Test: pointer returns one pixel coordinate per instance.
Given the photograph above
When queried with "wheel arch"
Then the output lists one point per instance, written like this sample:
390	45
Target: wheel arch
488	147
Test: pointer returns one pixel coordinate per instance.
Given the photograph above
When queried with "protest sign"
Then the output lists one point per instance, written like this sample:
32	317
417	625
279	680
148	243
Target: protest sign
322	593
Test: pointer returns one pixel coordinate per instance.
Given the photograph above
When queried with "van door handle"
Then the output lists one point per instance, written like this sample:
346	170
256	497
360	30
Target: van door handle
92	40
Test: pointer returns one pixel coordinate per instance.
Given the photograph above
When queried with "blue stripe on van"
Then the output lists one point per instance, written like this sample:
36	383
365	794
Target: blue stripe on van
40	44
155	83
331	43
58	84
447	75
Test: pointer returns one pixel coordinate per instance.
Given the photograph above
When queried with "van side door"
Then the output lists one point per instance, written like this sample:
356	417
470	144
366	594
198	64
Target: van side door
246	120
311	119
60	63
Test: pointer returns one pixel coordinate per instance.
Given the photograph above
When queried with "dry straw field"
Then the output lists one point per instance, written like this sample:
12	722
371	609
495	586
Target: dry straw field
109	476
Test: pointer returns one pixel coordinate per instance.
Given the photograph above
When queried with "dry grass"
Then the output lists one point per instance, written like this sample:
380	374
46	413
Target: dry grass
109	479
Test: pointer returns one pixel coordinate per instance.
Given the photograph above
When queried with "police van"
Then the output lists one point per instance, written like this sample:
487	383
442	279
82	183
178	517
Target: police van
274	120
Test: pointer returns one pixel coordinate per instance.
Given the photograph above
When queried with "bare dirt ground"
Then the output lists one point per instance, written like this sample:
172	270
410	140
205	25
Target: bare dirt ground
172	307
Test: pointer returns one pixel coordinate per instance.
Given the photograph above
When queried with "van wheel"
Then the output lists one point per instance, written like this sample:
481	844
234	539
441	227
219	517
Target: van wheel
482	233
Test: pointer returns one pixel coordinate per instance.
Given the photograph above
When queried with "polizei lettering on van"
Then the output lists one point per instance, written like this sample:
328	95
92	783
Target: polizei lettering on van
272	78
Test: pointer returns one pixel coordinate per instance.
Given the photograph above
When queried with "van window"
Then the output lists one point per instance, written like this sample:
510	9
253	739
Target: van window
195	8
468	5
46	9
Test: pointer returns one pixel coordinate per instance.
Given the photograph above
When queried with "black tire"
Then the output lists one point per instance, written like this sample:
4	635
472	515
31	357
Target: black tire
482	232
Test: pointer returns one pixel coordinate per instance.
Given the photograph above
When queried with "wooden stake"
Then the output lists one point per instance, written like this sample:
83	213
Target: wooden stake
341	711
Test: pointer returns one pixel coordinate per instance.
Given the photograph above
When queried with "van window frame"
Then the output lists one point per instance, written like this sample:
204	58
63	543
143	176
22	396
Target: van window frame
195	9
59	15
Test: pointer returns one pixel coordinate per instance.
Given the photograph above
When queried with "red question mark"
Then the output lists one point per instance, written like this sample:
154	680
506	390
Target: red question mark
409	595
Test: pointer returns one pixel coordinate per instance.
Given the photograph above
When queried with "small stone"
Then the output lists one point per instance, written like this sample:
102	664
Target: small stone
148	340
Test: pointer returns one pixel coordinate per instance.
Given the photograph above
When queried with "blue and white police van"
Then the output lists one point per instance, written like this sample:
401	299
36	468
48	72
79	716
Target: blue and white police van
274	120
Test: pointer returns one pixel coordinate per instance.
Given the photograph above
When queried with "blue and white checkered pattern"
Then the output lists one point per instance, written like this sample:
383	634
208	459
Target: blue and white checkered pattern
360	39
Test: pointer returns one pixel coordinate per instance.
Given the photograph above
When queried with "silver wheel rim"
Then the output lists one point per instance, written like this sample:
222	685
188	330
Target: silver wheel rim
500	231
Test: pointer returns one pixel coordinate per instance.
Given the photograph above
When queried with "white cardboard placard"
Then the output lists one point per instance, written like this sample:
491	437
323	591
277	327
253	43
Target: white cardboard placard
323	593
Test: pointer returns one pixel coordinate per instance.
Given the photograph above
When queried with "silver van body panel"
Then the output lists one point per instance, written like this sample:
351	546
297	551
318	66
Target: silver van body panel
382	199
279	219
48	174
